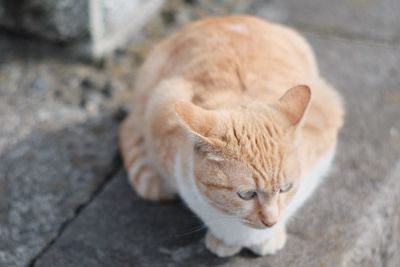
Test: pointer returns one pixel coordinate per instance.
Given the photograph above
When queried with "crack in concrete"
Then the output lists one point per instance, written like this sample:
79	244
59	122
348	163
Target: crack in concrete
114	169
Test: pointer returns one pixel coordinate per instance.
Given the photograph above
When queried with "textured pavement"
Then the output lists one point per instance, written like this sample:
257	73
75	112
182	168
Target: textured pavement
50	163
64	200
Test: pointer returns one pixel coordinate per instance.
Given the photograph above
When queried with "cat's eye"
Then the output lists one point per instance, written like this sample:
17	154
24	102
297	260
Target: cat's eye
286	188
247	195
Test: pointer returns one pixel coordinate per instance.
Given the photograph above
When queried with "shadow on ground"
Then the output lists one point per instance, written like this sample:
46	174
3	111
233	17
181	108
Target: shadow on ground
123	230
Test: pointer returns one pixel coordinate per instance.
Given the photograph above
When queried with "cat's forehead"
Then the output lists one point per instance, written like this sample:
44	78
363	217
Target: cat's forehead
260	146
253	126
255	175
255	149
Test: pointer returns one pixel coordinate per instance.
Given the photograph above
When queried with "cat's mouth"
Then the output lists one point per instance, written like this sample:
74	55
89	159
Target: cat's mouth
259	225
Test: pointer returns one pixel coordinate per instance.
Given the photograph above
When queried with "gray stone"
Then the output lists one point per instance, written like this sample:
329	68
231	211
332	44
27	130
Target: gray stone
352	220
56	20
89	26
113	22
359	19
54	156
128	231
46	177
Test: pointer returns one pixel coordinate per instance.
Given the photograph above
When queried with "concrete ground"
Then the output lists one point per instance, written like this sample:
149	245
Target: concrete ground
64	198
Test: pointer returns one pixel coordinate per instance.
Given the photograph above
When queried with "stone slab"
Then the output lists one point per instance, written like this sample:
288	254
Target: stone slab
349	221
89	27
59	20
358	19
113	22
55	153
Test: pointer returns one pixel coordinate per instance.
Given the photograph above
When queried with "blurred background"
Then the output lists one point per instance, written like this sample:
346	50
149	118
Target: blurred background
66	73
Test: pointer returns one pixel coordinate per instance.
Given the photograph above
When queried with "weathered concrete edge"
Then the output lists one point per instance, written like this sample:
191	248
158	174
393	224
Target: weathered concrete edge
378	227
101	45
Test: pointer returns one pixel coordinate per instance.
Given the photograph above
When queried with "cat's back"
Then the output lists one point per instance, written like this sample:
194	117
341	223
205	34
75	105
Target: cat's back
231	52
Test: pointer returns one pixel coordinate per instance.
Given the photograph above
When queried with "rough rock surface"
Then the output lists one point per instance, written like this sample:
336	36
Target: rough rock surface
54	153
56	20
91	28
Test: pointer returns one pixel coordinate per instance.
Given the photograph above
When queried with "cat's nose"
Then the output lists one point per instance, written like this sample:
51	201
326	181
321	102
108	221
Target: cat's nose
268	223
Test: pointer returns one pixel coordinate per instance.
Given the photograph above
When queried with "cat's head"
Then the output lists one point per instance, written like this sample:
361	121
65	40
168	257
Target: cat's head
246	161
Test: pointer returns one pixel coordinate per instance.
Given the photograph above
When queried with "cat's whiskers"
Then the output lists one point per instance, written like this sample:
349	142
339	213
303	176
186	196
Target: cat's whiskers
194	230
203	226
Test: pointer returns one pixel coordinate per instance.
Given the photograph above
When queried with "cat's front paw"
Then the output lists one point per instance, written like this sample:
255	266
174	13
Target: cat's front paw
271	245
218	248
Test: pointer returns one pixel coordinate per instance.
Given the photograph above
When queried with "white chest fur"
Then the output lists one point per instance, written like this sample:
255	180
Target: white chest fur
229	229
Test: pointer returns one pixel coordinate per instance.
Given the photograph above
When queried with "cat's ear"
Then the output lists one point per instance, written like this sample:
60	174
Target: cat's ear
293	105
201	123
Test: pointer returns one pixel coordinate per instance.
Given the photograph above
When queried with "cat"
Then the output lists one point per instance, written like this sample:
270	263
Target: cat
230	113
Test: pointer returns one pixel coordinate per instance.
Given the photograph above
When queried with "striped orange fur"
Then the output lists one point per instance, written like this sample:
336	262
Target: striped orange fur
142	177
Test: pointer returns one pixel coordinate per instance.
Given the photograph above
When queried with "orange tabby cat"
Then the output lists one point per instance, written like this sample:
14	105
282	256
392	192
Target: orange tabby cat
231	114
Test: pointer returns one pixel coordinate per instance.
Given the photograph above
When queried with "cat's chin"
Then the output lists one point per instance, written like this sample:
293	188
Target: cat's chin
259	226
